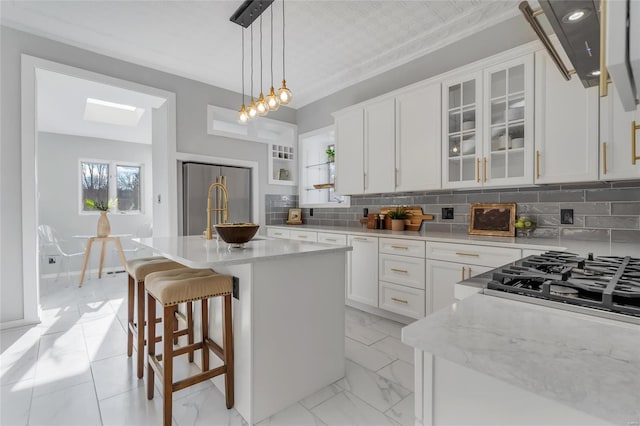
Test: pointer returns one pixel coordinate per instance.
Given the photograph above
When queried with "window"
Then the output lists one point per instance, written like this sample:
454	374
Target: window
98	182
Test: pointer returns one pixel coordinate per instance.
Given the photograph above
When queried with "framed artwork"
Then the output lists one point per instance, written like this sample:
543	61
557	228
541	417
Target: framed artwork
493	219
295	216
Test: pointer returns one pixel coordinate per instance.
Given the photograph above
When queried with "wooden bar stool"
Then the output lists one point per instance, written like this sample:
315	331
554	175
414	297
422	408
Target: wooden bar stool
138	270
171	288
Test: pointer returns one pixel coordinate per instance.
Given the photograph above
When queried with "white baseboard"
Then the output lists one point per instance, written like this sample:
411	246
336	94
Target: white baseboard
107	270
16	324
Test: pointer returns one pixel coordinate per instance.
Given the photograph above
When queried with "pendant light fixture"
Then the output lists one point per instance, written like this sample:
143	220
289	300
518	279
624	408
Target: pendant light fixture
243	116
261	105
284	94
273	102
252	105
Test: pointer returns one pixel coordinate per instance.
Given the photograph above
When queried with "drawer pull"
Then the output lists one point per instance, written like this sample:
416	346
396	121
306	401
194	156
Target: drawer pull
277	233
404	271
400	247
302	236
330	239
359	239
460	253
462	273
469	268
395	299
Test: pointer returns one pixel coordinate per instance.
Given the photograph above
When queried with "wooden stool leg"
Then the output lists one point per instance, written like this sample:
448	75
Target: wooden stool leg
140	328
205	334
227	337
151	338
130	305
167	364
190	339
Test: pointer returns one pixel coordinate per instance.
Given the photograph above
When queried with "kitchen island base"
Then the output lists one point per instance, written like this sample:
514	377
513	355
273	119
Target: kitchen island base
288	330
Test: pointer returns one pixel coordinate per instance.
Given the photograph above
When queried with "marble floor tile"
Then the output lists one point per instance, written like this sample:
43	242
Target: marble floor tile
60	370
62	321
19	339
321	396
18	366
131	408
114	375
366	356
389	327
358	316
347	409
399	372
76	405
295	415
90	311
362	333
395	349
403	411
102	326
108	345
57	344
206	407
16	400
374	389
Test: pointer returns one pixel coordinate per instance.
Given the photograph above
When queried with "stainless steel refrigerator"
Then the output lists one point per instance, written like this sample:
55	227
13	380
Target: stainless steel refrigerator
196	178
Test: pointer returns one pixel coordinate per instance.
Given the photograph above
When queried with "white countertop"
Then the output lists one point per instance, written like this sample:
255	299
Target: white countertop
598	248
197	252
588	363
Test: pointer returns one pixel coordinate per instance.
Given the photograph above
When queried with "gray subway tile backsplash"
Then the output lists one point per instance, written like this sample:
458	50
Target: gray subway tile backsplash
602	211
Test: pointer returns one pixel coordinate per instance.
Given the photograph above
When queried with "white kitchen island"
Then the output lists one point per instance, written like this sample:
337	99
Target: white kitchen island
288	318
491	361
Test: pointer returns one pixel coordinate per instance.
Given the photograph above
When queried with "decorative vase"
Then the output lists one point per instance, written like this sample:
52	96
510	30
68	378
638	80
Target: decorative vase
397	224
104	227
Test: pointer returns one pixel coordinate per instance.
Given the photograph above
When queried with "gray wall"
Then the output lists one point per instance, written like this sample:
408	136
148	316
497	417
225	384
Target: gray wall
192	100
503	36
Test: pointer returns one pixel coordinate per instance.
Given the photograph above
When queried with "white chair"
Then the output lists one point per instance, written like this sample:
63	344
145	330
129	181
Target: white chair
51	245
131	249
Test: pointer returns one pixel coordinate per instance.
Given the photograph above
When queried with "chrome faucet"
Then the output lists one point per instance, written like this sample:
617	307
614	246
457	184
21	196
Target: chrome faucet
222	209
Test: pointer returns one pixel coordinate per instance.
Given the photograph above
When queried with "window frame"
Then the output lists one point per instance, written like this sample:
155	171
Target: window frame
112	187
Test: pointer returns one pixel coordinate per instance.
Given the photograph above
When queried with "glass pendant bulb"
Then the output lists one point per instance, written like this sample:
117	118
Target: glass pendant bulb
261	106
243	116
284	94
273	103
252	110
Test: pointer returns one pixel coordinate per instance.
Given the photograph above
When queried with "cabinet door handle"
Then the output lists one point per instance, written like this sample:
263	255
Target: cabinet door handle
604	74
404	271
302	236
469	268
634	149
395	299
462	267
604	158
478	170
538	164
330	239
397	177
359	239
460	253
400	247
277	233
484	168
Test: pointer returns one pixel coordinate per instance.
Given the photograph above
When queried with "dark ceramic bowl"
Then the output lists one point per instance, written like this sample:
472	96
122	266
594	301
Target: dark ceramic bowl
236	233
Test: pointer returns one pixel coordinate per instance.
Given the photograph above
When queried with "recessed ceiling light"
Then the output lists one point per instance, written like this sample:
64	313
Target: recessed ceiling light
576	15
595	73
110	104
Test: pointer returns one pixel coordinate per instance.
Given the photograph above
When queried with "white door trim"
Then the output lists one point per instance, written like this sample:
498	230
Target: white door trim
30	264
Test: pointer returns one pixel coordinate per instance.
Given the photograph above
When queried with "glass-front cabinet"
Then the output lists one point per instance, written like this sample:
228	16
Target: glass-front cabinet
488	123
318	170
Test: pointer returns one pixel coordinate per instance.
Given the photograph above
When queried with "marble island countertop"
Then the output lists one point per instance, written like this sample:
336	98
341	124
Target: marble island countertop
198	252
599	248
585	362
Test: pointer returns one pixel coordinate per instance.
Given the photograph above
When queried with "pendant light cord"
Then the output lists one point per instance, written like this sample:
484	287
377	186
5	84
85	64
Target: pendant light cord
242	29
271	9
283	41
251	61
260	53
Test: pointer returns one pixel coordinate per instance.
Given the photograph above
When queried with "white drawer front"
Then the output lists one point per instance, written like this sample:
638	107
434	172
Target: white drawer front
304	236
278	233
402	300
409	271
335	239
472	254
402	247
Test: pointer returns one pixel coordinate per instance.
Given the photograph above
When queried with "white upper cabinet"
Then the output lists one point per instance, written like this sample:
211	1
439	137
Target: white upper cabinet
418	125
461	131
566	126
508	130
379	143
349	128
616	139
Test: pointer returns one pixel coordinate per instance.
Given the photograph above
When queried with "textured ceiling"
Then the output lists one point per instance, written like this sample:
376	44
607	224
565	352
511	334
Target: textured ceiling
329	44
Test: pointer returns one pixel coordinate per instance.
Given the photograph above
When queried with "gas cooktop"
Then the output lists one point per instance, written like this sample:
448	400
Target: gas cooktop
606	286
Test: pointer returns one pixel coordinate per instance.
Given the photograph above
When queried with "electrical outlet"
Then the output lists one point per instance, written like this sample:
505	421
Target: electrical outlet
365	212
566	216
52	260
310	212
447	212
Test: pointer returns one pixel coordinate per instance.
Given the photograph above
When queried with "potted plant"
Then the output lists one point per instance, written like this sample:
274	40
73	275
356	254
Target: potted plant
331	154
398	217
104	227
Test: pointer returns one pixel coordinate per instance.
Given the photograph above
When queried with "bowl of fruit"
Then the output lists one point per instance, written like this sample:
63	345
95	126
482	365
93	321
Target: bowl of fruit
525	225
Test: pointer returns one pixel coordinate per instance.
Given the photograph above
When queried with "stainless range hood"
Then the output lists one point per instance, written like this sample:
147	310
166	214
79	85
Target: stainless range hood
576	23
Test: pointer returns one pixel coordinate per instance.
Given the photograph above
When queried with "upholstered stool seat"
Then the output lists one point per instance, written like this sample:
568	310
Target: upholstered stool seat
138	270
171	288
